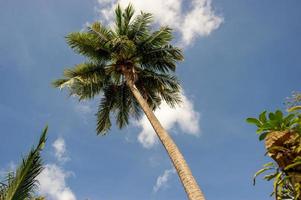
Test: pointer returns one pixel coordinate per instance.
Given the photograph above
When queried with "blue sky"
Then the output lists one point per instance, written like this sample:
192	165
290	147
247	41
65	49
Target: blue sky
248	62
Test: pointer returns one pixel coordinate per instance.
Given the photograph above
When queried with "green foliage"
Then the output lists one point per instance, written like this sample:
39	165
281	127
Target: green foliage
283	177
276	121
283	187
131	48
21	185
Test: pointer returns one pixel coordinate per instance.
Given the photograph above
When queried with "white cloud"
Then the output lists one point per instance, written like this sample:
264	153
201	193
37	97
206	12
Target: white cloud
11	167
60	150
162	180
196	21
200	21
52	180
53	183
182	115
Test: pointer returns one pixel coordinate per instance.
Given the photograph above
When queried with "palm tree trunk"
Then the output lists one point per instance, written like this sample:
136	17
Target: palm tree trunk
190	185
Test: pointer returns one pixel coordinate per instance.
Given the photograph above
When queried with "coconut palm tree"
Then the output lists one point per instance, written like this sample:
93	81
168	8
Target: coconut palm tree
21	185
132	67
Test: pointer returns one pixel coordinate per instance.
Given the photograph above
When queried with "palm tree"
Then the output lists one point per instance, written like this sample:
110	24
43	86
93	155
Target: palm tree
132	67
21	185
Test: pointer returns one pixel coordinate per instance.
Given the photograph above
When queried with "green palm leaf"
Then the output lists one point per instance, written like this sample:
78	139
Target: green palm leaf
84	80
139	29
90	45
22	184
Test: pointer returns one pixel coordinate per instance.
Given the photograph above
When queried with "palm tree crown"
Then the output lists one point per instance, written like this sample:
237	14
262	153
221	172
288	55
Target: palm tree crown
129	52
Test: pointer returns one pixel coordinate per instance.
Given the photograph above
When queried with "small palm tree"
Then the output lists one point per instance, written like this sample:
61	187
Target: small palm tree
132	67
21	185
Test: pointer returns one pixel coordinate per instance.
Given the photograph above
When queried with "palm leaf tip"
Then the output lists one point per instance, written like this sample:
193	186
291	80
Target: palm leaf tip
23	185
119	19
59	83
128	13
43	138
103	115
103	124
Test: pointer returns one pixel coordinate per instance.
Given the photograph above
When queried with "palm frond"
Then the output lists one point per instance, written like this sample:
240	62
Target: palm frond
119	20
24	183
171	97
159	38
117	99
135	109
90	45
127	16
161	59
165	80
153	99
103	34
122	105
84	80
163	86
104	109
139	29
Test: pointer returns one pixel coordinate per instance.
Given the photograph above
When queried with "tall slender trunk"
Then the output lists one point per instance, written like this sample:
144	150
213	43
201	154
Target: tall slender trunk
190	185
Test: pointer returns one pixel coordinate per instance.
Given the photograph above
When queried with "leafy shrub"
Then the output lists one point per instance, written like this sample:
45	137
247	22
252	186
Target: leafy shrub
276	122
286	177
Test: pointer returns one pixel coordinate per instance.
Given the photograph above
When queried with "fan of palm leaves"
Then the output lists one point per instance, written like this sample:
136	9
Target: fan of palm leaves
130	51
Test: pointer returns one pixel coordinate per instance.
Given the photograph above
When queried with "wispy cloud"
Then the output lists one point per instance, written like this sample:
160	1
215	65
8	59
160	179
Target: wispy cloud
53	183
199	19
84	109
11	167
162	180
60	151
182	115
